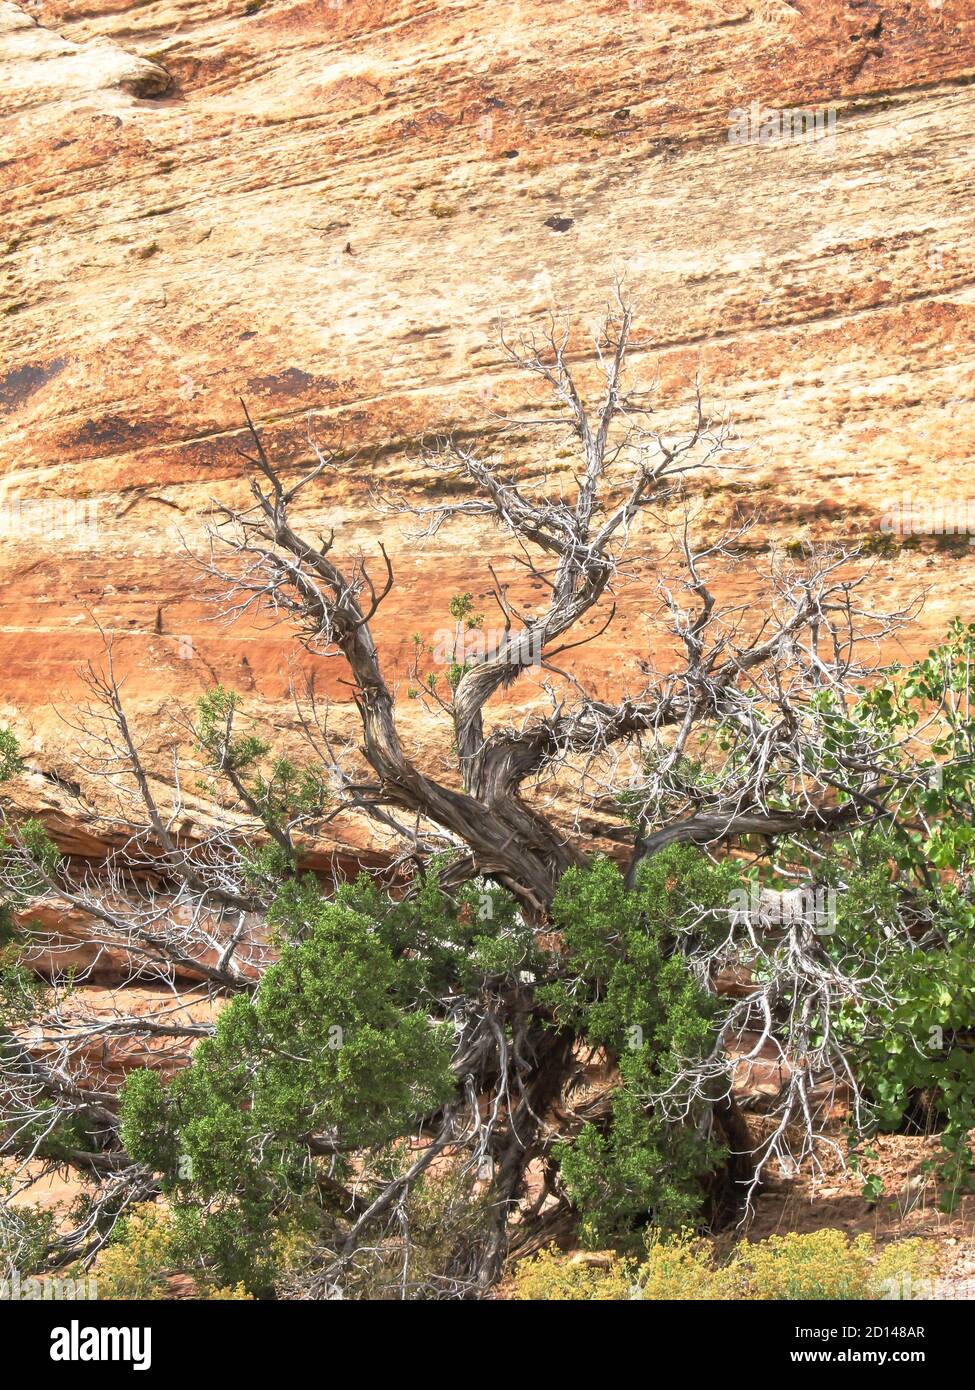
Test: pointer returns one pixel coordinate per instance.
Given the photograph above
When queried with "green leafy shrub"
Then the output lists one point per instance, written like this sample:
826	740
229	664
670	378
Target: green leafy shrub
920	1040
927	1048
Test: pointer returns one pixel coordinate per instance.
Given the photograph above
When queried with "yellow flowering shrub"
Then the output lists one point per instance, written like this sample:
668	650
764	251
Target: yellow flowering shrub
138	1263
822	1264
830	1265
825	1264
904	1267
683	1268
553	1277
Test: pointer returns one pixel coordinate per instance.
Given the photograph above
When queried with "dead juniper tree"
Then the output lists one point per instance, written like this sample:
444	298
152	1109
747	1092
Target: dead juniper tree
729	748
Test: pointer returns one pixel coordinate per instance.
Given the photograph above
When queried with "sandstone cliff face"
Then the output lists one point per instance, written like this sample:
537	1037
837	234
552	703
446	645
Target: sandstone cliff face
325	207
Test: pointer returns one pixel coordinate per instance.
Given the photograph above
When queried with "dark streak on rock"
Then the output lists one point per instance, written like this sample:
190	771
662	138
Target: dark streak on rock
291	382
22	382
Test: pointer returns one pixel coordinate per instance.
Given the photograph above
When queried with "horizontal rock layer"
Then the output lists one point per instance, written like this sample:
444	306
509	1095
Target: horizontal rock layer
326	208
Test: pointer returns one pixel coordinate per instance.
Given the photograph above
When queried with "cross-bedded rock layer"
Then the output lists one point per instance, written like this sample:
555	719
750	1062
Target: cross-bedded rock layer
325	207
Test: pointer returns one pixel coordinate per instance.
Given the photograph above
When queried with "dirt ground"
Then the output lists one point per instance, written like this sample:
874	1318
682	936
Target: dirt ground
908	1207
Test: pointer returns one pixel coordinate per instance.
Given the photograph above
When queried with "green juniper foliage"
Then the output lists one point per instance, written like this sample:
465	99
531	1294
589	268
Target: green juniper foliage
631	992
337	1041
20	989
10	760
224	749
331	1044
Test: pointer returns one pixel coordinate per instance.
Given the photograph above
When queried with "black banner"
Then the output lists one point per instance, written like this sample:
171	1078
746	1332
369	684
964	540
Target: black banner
141	1339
